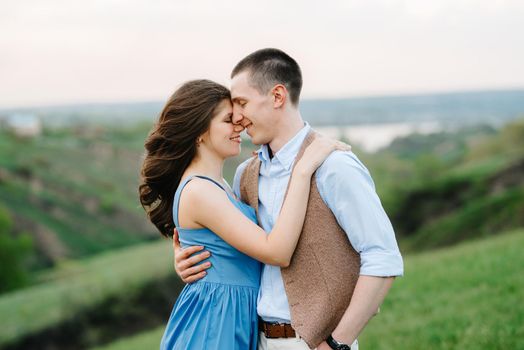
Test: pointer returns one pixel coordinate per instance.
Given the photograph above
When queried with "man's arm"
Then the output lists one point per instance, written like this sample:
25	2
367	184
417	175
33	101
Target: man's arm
369	293
346	187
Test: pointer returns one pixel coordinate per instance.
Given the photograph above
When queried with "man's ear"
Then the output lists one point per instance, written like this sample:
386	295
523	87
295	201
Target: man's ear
279	93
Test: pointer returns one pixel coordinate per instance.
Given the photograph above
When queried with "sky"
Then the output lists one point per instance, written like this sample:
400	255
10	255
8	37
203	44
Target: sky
55	52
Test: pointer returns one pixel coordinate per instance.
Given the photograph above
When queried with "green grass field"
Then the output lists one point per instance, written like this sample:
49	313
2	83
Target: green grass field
465	297
79	188
74	286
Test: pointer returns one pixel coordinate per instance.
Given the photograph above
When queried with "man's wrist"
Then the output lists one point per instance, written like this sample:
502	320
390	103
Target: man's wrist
336	345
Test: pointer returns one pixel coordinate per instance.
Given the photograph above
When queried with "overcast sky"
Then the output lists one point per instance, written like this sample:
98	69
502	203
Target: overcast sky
70	51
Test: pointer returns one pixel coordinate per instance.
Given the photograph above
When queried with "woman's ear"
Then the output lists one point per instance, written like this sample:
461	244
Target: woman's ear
202	139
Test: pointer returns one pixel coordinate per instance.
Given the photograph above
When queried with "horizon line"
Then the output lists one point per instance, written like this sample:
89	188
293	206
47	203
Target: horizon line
331	98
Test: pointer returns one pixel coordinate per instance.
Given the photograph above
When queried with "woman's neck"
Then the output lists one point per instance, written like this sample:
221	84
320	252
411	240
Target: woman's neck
212	168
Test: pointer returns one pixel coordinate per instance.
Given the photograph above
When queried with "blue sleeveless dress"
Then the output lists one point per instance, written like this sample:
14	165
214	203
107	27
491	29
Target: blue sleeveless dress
218	312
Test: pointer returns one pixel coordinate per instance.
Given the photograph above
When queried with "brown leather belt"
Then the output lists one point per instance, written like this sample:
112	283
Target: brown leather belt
276	330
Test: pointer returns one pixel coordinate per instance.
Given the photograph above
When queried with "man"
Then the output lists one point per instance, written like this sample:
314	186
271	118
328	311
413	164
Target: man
331	311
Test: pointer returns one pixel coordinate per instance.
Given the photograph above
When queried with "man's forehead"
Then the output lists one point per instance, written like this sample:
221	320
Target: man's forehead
241	87
239	91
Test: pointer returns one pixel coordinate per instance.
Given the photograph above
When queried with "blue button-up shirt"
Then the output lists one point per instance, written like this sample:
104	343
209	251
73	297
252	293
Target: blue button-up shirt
346	187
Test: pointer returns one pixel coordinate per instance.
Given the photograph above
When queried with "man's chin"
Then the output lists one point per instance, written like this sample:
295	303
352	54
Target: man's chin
253	140
257	141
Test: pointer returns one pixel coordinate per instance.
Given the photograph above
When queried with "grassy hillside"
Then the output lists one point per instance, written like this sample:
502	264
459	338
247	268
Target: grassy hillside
76	286
461	205
73	191
465	297
454	187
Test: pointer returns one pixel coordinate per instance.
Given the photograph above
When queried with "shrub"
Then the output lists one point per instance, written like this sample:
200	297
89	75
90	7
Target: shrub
13	253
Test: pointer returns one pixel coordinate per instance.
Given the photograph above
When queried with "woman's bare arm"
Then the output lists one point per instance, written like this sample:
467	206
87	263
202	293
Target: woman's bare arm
216	212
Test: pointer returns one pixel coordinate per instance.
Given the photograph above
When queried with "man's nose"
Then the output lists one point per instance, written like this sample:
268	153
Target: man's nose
238	128
237	116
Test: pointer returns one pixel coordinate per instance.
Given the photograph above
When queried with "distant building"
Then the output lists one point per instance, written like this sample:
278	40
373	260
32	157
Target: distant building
23	125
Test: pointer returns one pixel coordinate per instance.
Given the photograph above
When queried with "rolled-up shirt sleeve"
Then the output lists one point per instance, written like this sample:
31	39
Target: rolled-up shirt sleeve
347	188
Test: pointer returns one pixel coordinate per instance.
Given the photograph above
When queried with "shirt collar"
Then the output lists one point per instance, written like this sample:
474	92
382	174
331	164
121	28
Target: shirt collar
286	155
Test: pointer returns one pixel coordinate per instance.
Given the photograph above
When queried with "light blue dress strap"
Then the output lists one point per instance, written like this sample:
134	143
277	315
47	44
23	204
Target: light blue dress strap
176	201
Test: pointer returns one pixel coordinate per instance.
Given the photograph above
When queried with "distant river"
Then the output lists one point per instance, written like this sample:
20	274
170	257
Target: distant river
372	137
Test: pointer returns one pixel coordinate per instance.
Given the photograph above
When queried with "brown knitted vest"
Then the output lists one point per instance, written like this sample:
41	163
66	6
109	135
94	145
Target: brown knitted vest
324	269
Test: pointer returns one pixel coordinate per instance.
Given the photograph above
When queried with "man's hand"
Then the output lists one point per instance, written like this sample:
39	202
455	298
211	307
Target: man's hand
185	263
323	346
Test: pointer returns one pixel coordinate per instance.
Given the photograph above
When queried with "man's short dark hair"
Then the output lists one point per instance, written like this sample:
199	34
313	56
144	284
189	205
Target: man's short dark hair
268	67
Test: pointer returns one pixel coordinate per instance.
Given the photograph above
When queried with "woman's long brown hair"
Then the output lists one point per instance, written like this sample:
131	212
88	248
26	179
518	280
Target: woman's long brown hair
171	146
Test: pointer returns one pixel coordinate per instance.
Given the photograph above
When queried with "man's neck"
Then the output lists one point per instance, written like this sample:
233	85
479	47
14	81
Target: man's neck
290	125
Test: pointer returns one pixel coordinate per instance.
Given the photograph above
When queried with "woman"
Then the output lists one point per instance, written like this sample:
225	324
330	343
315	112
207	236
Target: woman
182	186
